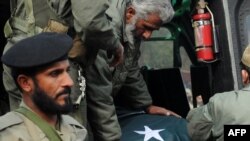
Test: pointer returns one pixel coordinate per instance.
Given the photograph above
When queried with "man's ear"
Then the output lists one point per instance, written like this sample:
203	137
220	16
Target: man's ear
25	83
245	77
130	12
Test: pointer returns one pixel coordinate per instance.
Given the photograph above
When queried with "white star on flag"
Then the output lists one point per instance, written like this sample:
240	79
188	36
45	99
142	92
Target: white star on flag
149	133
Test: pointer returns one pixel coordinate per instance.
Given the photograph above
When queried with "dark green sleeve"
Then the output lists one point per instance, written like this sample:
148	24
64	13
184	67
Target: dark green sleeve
101	109
91	22
135	89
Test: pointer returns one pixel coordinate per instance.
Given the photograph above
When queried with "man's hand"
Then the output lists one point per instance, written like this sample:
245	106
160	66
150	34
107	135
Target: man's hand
117	56
155	110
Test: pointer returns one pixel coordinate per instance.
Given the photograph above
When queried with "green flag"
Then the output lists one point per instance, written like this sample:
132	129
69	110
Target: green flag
145	127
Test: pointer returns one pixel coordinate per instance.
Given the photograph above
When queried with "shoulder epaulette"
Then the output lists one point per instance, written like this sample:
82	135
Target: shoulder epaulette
69	120
9	119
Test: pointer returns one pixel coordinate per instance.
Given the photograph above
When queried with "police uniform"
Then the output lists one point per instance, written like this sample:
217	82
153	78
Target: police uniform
104	82
30	17
18	125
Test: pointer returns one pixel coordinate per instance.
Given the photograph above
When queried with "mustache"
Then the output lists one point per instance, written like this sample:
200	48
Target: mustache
65	91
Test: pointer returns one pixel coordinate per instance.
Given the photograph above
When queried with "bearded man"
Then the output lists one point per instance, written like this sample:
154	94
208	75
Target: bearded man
134	21
40	69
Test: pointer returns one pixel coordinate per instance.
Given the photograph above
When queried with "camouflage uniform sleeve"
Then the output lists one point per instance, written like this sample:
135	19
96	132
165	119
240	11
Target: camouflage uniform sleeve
90	21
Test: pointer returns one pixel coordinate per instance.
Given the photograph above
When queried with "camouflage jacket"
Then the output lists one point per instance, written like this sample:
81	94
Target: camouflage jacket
29	17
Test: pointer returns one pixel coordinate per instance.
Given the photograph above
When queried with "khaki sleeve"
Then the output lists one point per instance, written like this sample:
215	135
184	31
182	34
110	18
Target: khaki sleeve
200	122
12	128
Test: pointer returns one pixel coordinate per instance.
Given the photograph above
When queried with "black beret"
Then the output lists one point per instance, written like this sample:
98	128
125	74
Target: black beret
38	50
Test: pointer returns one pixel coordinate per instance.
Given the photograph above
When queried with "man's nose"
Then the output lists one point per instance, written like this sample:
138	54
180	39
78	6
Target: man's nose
68	80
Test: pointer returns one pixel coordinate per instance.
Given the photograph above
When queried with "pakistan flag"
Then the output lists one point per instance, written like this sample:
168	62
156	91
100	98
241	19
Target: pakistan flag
144	127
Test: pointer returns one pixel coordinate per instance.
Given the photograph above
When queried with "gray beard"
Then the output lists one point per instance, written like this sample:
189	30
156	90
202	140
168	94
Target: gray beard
129	32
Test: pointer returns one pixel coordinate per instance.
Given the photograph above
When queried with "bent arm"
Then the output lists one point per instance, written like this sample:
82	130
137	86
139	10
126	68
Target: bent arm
92	23
200	123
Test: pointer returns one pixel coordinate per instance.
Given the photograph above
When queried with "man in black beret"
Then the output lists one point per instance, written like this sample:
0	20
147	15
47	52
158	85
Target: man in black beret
83	19
40	68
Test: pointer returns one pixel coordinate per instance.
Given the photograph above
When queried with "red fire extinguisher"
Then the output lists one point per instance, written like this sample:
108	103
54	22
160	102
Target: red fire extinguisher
204	33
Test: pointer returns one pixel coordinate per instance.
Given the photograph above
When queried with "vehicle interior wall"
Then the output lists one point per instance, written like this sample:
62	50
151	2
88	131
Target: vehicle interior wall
232	36
240	19
222	78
